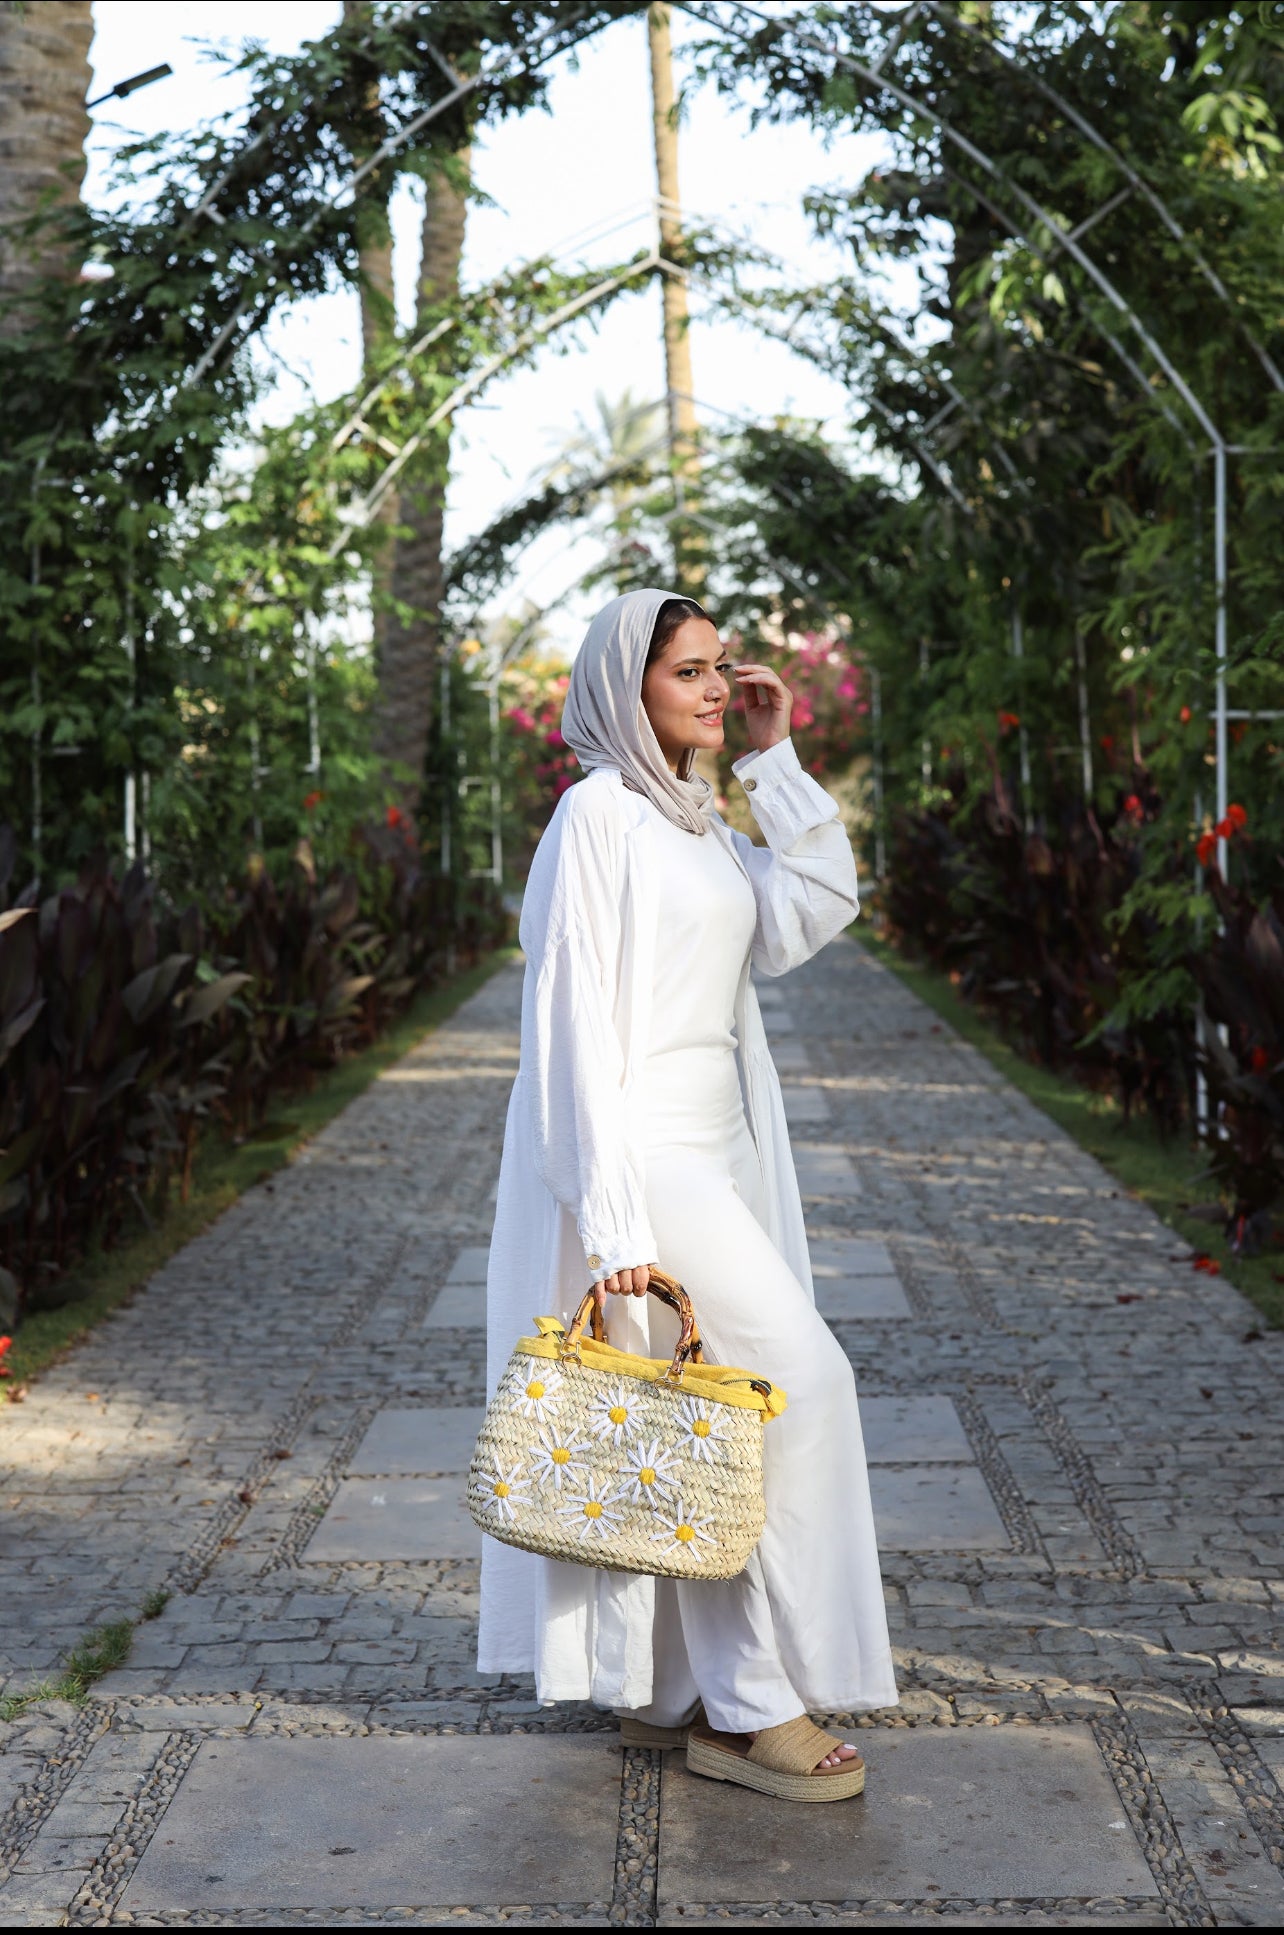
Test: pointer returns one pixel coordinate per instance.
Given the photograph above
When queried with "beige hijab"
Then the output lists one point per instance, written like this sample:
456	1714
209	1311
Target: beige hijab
604	723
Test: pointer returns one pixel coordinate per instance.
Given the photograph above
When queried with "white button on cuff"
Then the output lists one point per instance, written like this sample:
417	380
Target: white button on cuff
750	784
594	1262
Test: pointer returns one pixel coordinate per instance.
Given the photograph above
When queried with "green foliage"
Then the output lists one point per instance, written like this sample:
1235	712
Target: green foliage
125	1025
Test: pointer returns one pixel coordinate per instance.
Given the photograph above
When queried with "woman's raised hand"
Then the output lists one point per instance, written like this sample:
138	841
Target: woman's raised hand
624	1283
768	704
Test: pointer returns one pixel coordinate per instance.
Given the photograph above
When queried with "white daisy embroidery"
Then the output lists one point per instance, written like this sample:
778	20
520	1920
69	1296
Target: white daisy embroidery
648	1472
593	1509
555	1461
707	1435
503	1490
539	1396
678	1531
611	1415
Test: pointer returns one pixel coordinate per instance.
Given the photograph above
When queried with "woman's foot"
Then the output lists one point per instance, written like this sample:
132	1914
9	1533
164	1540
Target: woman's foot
839	1755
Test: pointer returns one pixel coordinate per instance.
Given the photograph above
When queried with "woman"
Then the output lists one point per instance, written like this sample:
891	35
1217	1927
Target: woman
646	1124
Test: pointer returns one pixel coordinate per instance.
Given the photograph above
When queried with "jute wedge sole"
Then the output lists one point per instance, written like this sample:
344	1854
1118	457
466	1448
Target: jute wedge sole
797	1747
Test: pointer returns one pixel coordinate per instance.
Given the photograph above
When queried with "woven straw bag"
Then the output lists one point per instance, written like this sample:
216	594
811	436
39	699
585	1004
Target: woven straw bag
634	1464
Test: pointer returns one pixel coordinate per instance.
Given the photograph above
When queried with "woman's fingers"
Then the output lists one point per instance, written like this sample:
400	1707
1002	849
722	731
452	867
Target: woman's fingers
624	1283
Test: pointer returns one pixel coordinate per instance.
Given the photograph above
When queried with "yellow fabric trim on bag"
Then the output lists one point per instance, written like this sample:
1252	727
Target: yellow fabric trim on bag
719	1382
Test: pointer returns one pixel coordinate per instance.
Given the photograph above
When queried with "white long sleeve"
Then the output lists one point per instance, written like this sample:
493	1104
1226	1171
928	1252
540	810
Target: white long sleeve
804	879
572	1060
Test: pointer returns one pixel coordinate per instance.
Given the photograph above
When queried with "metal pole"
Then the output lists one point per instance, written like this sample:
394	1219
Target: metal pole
876	711
496	797
1085	722
314	710
131	653
926	749
1023	737
1201	1020
1219	596
447	766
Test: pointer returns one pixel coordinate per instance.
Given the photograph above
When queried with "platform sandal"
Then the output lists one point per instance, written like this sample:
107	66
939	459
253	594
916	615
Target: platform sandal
782	1761
640	1733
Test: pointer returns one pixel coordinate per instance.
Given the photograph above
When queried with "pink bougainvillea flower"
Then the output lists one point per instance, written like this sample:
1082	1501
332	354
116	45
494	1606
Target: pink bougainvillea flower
521	718
554	738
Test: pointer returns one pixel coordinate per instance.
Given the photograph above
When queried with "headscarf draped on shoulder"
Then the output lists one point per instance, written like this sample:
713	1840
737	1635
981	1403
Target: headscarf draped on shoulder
604	722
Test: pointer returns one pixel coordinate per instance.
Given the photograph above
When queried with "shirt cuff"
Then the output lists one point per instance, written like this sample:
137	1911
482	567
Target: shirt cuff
604	1259
787	802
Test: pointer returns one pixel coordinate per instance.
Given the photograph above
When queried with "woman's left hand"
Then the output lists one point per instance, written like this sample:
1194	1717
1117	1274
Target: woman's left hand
768	704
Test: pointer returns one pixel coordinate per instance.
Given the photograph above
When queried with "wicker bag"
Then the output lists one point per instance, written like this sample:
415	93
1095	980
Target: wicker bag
634	1464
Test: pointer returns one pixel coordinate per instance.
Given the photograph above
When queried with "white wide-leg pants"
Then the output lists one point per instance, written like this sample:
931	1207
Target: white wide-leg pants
807	1612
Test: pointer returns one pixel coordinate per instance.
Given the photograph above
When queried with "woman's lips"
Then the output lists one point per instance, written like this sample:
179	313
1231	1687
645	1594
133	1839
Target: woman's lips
709	718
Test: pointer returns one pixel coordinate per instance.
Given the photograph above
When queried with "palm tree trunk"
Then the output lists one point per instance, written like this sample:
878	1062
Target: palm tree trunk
412	648
378	332
679	382
44	81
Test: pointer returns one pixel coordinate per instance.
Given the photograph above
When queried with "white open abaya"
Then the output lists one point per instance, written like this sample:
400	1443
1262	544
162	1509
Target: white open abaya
646	1123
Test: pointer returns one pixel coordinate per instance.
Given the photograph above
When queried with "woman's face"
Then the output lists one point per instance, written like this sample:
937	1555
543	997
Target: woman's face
686	691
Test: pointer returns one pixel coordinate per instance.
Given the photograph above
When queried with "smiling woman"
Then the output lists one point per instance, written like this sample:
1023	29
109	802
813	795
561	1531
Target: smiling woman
646	1123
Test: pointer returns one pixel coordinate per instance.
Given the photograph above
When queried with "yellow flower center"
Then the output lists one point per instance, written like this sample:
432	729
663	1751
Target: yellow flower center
647	1474
561	1456
501	1489
701	1427
592	1509
686	1533
535	1390
618	1414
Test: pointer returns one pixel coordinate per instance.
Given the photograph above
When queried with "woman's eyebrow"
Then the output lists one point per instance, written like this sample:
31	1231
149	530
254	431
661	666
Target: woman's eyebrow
704	661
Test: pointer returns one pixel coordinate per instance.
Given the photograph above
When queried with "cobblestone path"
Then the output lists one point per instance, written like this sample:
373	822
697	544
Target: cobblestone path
1075	1441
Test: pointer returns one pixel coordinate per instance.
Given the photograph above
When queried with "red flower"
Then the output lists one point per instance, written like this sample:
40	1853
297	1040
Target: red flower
1236	817
1134	809
395	816
312	801
1008	721
1107	743
5	1343
1184	715
1205	848
1259	1060
1209	1265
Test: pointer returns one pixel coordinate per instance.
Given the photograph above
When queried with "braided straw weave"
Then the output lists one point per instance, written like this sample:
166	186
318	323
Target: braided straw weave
606	1459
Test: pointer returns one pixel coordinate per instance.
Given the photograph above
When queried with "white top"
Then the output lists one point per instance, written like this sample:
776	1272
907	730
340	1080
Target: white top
707	916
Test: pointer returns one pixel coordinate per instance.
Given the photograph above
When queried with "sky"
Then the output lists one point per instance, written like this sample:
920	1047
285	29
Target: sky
576	182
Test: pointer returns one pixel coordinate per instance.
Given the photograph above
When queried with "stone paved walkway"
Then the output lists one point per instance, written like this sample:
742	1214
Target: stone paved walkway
1075	1442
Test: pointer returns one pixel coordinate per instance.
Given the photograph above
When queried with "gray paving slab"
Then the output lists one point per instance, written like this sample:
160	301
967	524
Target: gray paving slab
414	1822
850	1299
824	1169
396	1518
470	1265
789	1053
777	1020
966	1812
458	1306
936	1508
849	1256
916	1430
427	1438
804	1103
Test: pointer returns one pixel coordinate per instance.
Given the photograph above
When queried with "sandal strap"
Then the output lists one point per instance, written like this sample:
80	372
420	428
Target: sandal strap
795	1747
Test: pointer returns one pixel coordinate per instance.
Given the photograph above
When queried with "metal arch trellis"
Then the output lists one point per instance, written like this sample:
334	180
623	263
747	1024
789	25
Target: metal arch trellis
1068	240
400	138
